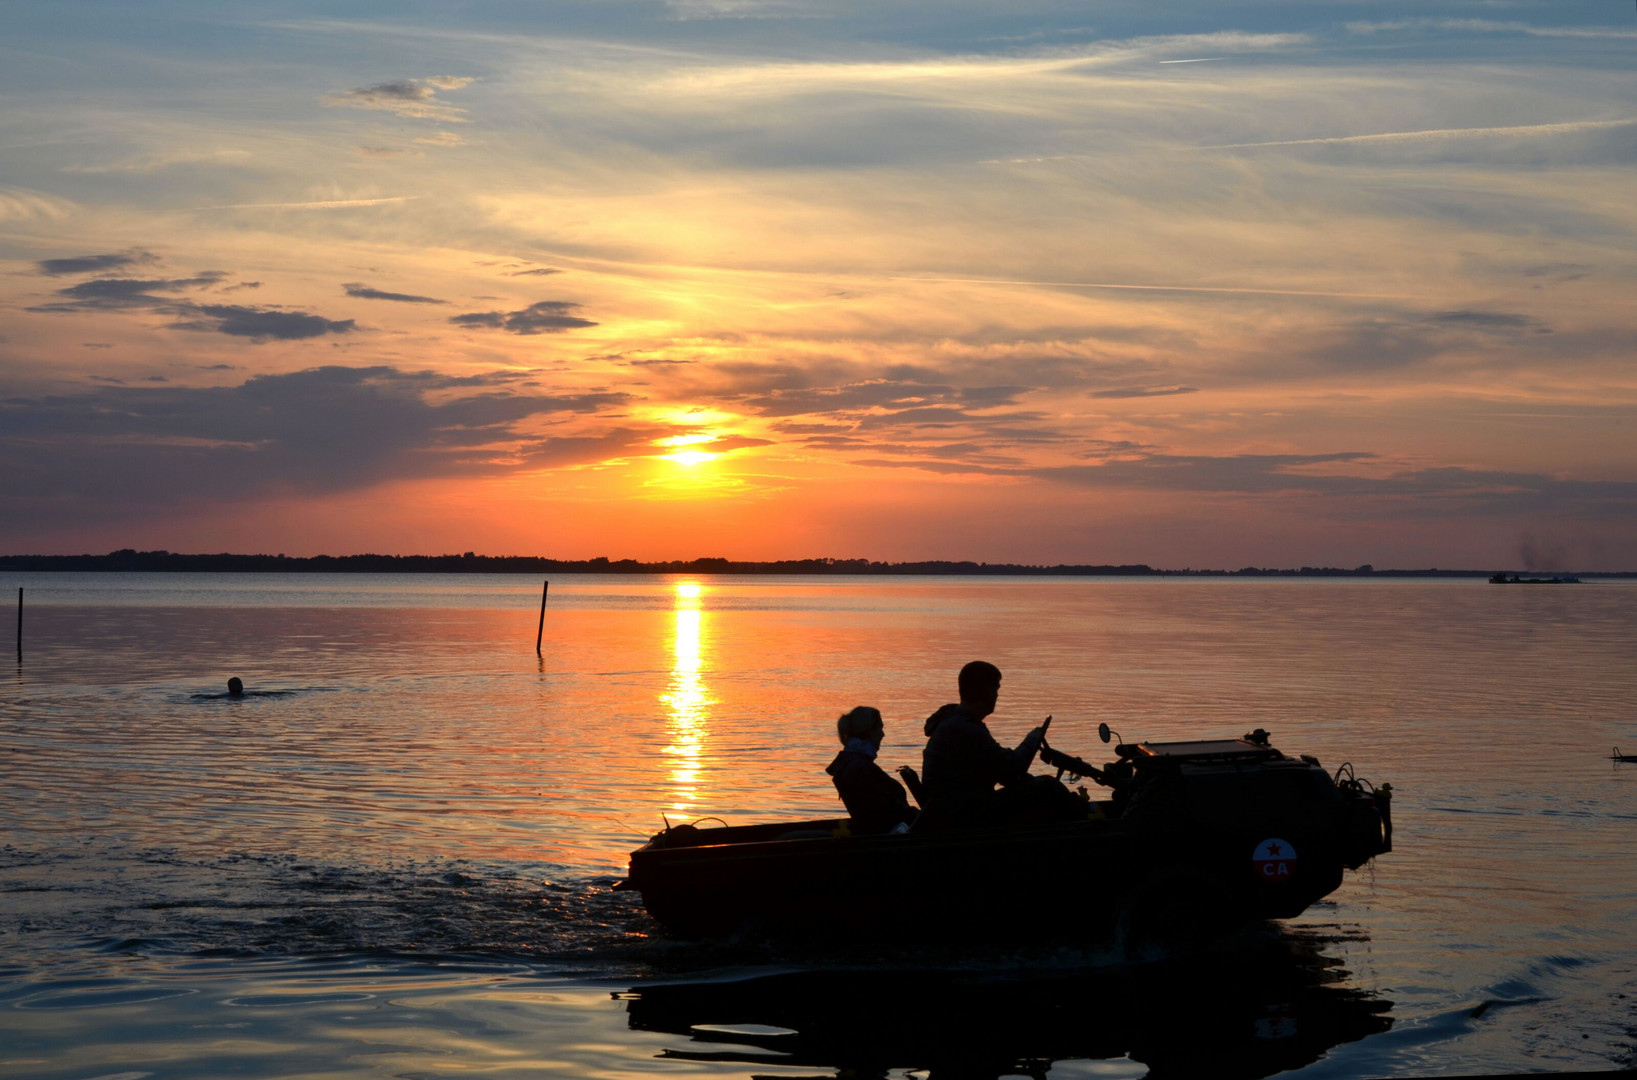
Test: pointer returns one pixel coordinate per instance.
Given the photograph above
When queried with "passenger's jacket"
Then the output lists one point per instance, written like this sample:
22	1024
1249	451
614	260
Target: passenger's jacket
875	801
962	763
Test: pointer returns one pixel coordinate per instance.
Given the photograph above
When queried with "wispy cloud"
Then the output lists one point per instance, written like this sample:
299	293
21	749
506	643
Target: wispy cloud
1500	321
258	324
904	399
1132	286
165	160
21	204
948	70
1354	484
1493	26
364	292
542	317
1144	391
314	204
745	9
415	99
1435	134
95	264
1447	490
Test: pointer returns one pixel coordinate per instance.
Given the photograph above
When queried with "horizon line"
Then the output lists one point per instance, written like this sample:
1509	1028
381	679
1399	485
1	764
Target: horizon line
121	560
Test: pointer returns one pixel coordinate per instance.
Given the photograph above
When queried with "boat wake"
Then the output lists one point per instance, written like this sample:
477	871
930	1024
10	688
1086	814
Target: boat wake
162	901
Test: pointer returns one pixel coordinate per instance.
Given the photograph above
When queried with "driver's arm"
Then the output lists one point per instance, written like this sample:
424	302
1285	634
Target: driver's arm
1010	766
1030	746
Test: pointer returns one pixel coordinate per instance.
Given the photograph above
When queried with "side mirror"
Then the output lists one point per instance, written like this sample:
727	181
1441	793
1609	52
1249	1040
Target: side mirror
1103	732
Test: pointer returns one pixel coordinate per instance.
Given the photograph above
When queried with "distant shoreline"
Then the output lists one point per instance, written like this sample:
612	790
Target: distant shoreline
129	560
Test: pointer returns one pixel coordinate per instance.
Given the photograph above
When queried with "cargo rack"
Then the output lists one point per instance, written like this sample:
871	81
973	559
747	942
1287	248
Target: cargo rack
1201	751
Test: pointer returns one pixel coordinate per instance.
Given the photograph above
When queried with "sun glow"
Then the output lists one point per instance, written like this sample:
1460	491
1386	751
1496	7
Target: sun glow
695	418
691	439
688	440
690	457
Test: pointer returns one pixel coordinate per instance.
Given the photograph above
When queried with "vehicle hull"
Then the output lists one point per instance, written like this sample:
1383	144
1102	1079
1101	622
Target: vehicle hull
1085	880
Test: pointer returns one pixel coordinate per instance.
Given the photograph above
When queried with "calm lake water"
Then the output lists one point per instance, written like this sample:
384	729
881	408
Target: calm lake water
395	857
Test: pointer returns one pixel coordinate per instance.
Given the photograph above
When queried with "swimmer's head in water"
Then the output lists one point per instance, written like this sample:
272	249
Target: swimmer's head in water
234	686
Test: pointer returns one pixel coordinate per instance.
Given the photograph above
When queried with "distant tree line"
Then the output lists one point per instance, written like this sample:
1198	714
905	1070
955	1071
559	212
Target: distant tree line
128	559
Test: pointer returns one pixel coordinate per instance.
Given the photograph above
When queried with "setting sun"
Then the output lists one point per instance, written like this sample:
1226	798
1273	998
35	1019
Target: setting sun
688	457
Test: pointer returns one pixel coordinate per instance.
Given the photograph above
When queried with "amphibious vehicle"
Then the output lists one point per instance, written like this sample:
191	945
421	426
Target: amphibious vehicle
1196	837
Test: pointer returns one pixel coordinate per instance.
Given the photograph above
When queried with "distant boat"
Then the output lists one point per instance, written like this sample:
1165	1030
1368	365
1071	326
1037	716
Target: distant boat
1618	756
1503	578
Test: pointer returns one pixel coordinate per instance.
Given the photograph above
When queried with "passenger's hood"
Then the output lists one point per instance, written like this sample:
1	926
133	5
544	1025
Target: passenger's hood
843	759
939	717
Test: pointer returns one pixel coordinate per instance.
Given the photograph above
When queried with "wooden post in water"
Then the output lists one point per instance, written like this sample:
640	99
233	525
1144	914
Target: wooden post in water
19	624
538	634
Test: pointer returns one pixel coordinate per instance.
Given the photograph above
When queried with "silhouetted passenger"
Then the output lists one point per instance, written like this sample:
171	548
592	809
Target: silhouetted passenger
962	763
235	688
875	801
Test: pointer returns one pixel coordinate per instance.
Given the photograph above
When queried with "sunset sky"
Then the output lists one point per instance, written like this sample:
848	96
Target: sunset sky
1273	283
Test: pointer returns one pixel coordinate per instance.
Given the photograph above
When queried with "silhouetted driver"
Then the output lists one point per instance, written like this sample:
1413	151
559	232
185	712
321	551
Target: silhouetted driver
962	762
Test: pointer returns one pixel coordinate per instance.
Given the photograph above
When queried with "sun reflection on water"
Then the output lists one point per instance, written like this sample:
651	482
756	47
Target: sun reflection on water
686	697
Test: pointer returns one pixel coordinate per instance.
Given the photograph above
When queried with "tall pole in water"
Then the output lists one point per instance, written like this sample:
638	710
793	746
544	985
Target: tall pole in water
19	624
539	634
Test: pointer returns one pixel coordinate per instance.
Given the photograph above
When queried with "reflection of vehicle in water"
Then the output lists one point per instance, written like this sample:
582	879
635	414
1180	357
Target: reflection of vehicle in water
1251	1014
1198	836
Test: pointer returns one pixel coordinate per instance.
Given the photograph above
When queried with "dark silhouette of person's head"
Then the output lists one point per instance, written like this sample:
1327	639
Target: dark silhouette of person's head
235	688
979	684
861	723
